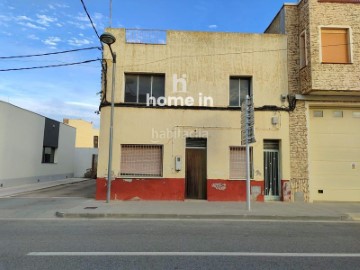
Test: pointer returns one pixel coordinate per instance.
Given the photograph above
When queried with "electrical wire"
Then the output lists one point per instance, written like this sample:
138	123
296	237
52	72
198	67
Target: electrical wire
51	66
91	21
45	54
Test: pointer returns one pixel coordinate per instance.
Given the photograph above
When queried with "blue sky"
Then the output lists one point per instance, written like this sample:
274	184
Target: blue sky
43	26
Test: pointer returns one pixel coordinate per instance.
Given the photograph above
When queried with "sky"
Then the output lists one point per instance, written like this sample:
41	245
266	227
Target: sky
46	26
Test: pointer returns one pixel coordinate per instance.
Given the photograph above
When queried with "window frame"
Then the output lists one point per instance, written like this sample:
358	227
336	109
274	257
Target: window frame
139	175
53	155
239	78
251	162
303	51
96	141
151	75
350	42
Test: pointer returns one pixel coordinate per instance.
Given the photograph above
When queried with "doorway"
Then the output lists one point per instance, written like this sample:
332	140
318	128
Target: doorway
196	169
272	183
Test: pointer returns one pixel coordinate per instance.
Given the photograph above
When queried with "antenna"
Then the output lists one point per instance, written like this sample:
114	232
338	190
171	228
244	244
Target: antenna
110	22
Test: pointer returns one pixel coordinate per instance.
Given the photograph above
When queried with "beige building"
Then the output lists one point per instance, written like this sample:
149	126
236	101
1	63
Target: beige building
86	135
86	147
188	145
303	77
324	67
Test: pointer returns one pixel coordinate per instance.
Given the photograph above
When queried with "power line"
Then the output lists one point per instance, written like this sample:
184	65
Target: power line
87	13
51	66
45	54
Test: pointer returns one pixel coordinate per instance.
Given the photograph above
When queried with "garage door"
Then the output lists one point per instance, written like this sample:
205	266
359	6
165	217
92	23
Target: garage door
334	153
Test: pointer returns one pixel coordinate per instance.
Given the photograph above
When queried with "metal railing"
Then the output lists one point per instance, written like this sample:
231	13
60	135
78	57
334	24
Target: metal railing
145	36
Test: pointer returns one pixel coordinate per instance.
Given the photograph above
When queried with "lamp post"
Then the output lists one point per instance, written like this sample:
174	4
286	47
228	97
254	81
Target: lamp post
109	39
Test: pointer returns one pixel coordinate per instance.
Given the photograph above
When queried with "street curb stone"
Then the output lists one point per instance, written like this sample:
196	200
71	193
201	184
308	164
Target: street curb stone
184	216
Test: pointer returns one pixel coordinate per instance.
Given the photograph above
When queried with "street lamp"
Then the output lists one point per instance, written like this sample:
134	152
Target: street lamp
109	39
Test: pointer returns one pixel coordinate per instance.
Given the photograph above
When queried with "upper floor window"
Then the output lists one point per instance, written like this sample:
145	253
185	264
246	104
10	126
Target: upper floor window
303	50
239	89
139	86
335	45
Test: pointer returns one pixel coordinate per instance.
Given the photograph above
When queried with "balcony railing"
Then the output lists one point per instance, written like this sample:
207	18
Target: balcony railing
145	36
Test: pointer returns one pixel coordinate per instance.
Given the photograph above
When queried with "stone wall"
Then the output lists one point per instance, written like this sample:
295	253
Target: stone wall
299	151
335	77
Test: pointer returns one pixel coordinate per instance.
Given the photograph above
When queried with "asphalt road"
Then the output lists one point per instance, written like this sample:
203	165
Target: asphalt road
84	189
263	244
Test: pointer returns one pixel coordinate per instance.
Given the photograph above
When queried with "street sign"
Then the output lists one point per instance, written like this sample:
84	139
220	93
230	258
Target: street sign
247	122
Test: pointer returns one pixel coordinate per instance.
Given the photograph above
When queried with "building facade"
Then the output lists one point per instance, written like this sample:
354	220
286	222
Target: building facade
324	67
33	148
86	135
303	77
86	147
177	116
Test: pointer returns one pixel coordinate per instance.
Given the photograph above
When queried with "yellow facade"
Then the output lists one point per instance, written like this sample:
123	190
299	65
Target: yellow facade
207	61
85	133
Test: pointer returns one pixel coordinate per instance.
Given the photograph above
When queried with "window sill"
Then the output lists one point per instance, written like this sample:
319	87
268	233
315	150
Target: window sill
329	63
139	177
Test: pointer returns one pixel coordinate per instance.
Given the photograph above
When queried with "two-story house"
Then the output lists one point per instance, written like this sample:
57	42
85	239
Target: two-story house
303	76
177	116
324	80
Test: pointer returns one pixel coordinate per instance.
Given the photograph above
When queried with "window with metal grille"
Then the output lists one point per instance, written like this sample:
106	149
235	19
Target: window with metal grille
335	45
138	86
238	162
141	160
239	89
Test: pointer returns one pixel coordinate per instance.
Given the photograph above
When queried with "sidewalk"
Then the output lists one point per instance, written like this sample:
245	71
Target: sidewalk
214	210
11	191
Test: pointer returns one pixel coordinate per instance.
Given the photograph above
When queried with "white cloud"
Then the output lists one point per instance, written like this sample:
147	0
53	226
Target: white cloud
31	25
44	19
61	5
79	42
32	36
52	41
81	104
213	26
23	18
59	24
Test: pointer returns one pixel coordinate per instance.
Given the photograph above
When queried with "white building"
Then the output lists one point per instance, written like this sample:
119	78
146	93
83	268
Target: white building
33	148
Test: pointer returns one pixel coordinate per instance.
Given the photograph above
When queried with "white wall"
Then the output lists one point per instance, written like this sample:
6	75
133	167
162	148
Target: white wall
83	160
21	144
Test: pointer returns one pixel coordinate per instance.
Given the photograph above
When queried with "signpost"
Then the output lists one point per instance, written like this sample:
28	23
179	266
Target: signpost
247	137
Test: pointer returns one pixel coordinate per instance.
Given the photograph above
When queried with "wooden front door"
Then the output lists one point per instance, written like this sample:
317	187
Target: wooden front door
196	173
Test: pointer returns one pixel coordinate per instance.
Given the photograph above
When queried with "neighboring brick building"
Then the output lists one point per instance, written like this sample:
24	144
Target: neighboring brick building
324	79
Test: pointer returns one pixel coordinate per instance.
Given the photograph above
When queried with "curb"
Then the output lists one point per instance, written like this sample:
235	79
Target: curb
200	217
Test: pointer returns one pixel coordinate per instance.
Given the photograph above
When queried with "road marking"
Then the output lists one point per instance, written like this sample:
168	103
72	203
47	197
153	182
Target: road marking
198	254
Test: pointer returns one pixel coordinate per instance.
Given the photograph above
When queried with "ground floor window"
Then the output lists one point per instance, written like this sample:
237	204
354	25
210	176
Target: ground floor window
238	162
48	155
141	160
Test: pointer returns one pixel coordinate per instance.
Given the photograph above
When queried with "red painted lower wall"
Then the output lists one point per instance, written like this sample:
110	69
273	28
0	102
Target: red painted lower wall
229	190
169	189
173	189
